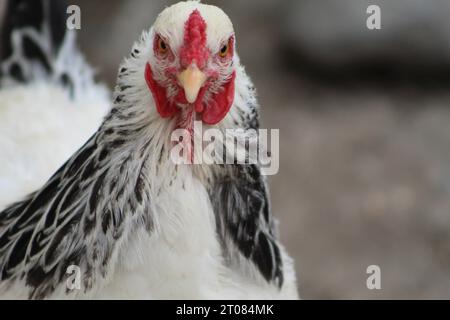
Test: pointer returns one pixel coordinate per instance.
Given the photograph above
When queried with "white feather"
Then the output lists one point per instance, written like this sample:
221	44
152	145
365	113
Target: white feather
40	128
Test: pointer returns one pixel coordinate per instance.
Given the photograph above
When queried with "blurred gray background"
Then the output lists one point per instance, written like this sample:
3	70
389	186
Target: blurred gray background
364	126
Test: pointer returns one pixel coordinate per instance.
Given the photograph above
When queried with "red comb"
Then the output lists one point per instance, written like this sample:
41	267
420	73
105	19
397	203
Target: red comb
194	46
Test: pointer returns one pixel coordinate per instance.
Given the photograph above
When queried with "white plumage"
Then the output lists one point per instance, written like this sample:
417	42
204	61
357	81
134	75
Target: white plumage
40	128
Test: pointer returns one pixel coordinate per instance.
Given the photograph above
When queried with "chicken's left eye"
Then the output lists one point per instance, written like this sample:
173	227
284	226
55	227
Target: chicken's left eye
224	50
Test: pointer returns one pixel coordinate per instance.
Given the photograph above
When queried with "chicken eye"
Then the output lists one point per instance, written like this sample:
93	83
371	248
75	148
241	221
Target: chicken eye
162	46
223	51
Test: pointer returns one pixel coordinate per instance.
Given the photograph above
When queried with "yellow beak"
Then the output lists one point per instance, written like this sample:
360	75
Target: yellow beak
191	79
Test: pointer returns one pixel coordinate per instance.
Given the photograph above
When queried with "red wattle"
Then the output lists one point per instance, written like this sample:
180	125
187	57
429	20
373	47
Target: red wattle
198	104
164	107
220	103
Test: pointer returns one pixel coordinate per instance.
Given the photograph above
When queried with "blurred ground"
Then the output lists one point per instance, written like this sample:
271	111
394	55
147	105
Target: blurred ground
365	165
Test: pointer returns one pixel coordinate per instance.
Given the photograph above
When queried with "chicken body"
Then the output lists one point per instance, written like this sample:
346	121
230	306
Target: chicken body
121	219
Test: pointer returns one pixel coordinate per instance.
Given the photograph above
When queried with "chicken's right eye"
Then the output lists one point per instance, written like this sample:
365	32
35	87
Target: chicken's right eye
162	46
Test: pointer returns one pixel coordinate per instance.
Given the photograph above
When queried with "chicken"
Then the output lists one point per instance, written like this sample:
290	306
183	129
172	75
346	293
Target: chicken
49	102
124	218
